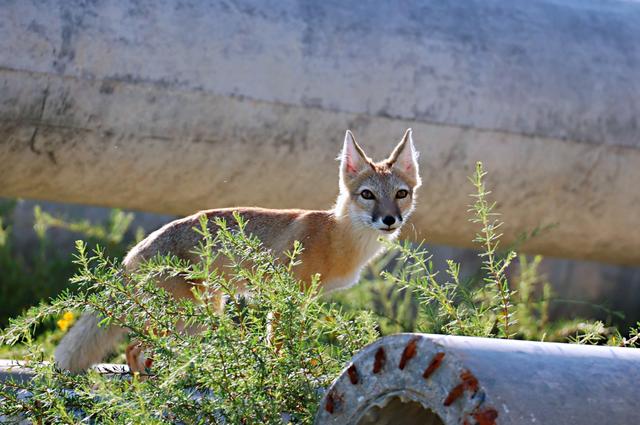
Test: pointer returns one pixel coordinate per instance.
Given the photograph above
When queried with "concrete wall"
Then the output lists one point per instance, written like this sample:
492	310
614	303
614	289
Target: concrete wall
172	106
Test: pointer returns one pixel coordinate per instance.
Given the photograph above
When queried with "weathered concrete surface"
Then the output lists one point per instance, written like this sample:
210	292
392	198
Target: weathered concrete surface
484	381
173	106
20	372
15	370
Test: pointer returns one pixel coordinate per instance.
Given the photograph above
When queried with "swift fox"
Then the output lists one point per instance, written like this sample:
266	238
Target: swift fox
375	200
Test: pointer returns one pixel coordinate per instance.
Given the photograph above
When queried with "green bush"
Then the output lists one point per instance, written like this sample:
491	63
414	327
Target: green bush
248	378
411	295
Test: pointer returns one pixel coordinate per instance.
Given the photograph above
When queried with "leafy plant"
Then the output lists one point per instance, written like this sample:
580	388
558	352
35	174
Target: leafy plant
508	297
232	368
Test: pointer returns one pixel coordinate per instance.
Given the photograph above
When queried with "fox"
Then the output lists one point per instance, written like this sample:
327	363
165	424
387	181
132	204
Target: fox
375	200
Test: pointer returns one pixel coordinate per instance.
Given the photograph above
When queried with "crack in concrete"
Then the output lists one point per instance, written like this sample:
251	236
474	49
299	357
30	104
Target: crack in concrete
32	140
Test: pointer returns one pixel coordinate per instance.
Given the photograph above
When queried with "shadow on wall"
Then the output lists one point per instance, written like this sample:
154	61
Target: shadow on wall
583	289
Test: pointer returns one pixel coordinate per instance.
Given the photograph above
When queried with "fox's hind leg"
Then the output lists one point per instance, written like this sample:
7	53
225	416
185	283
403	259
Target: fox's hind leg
136	360
140	363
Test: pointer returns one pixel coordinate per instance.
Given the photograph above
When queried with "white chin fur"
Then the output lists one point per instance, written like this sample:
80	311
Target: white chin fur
364	222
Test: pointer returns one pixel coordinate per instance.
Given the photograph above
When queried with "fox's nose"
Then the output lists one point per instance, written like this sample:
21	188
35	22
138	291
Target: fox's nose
389	220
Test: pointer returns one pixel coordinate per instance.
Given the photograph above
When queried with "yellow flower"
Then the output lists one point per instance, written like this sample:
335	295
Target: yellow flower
63	324
66	321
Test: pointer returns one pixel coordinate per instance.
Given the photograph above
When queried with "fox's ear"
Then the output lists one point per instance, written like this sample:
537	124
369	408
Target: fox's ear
405	157
352	159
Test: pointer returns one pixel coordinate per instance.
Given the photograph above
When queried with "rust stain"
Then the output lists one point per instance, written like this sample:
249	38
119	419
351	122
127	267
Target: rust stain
330	404
353	374
469	382
434	365
380	360
454	394
408	353
486	416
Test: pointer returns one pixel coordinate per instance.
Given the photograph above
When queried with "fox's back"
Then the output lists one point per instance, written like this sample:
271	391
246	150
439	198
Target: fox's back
276	229
334	250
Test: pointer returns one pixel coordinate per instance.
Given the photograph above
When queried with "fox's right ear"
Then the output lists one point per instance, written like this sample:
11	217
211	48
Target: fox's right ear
405	157
352	159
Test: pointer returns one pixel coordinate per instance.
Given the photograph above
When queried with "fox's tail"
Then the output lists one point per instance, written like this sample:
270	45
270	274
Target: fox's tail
86	344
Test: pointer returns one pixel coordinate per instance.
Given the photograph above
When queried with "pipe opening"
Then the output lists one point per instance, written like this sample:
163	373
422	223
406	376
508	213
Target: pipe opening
395	411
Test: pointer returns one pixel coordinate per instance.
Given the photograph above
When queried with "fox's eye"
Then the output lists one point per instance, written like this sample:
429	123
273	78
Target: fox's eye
402	194
367	194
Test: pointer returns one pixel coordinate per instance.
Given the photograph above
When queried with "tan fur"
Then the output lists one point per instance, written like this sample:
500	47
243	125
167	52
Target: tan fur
337	243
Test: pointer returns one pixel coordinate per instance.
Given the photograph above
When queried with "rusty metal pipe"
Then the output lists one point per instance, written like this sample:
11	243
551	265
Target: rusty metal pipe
436	379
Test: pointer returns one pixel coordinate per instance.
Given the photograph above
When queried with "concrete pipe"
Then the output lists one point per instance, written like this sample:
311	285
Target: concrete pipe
173	106
17	370
436	379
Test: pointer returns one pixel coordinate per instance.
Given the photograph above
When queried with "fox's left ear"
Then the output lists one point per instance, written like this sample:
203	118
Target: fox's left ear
352	159
405	157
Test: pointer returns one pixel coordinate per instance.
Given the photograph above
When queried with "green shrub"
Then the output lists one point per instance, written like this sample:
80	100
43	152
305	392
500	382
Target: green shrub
248	378
508	297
